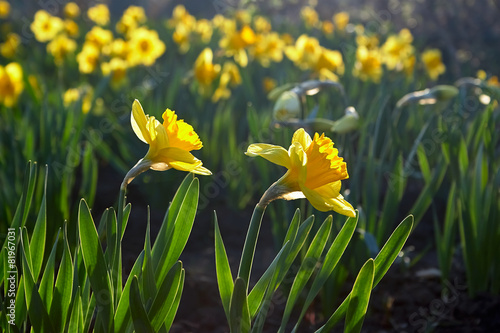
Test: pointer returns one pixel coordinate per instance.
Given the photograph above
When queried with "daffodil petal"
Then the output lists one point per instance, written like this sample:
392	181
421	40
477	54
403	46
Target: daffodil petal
321	203
275	154
298	159
139	122
302	137
178	159
201	170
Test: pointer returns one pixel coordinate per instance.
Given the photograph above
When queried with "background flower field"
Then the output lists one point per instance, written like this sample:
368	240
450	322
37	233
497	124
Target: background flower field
407	90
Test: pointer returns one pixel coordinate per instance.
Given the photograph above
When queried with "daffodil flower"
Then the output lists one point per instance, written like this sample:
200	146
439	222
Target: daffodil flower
314	171
170	144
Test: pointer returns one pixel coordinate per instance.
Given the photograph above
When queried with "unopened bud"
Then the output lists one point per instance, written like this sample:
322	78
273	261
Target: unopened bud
287	106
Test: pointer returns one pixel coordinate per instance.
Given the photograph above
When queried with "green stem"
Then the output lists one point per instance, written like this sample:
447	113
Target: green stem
250	243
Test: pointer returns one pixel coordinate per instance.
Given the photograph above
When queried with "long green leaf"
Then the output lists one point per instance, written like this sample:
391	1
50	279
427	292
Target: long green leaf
75	314
239	319
182	229
307	268
224	276
383	262
175	304
95	265
360	296
165	297
46	288
37	244
140	318
122	315
332	257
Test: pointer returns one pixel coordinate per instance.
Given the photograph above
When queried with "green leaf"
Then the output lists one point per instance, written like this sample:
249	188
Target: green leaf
64	287
175	305
122	317
74	323
239	318
423	162
383	262
95	265
140	318
183	224
360	296
38	315
148	276
25	202
37	245
224	276
332	257
165	297
46	288
463	158
161	242
293	228
307	268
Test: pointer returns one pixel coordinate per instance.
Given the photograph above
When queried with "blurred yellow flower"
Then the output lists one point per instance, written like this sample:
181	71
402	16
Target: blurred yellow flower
88	58
4	9
305	52
268	47
181	37
99	14
71	10
117	48
230	75
330	60
327	27
169	143
433	63
341	20
9	47
370	42
262	24
99	37
181	16
60	47
144	47
11	83
132	17
397	49
235	41
243	16
204	30
45	26
268	83
204	69
315	171
117	68
71	28
368	64
73	95
309	16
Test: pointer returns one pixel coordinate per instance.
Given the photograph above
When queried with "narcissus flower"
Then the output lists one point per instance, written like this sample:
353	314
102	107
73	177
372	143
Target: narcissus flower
45	26
170	144
99	14
368	64
71	10
433	64
145	47
314	171
60	47
4	9
341	20
11	83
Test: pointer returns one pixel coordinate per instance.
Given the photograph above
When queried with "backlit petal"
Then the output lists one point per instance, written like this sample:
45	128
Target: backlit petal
302	137
179	159
275	154
321	203
139	122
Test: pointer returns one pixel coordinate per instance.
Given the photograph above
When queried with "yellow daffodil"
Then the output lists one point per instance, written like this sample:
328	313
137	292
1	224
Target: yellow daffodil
9	47
230	75
45	26
117	68
370	42
99	14
71	10
169	143
262	24
133	17
330	60
88	58
145	47
117	48
341	20
60	47
305	52
268	47
181	16
204	30
235	42
397	49
11	83
4	9
73	95
268	83
205	71
99	37
368	64
309	16
71	28
314	171
327	27
433	63
182	37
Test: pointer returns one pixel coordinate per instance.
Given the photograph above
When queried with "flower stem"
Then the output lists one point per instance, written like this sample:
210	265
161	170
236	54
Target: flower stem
250	243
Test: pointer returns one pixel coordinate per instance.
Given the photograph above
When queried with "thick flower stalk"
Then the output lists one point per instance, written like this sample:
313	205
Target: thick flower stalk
170	144
314	171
